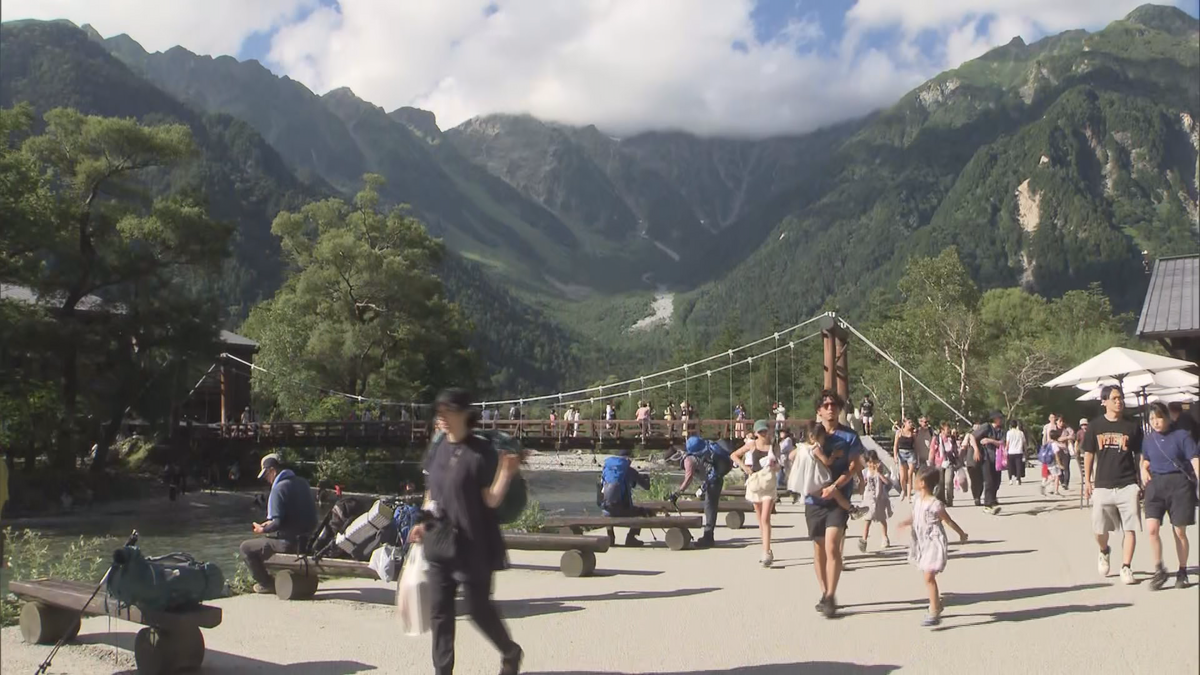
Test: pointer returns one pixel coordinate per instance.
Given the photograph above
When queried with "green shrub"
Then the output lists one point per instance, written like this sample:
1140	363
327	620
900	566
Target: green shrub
531	519
662	484
240	582
28	555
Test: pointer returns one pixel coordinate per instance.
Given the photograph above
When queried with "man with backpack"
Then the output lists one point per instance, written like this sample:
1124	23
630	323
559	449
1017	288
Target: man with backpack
291	518
615	493
714	460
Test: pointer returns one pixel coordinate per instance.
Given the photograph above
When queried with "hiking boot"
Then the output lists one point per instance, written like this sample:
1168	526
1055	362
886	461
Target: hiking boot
862	545
264	590
511	665
706	541
1102	563
1159	578
633	541
1181	579
1127	575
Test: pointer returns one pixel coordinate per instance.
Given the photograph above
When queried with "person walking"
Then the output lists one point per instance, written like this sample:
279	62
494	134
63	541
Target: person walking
928	548
991	445
827	520
875	496
1170	466
1014	443
291	519
1110	478
867	411
971	455
759	458
467	480
904	456
922	439
713	459
1066	437
946	457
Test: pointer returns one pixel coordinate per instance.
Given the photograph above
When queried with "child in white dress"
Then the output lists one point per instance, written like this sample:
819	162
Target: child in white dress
927	547
876	499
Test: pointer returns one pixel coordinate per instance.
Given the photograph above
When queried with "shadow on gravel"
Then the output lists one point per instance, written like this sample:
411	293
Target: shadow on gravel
824	667
519	609
1026	614
218	661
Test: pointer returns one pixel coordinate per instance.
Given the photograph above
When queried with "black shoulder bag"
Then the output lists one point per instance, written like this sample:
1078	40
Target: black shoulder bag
441	536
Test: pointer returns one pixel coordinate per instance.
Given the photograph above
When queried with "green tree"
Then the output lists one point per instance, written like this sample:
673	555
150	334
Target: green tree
85	228
362	313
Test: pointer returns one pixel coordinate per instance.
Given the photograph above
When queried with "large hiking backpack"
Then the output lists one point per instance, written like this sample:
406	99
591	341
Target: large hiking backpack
615	488
169	582
716	455
344	511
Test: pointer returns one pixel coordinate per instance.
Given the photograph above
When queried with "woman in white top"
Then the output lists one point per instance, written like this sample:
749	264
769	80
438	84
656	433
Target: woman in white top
760	460
1015	442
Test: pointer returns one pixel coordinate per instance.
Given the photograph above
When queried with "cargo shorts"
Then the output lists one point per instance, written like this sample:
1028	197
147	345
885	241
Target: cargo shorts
1115	509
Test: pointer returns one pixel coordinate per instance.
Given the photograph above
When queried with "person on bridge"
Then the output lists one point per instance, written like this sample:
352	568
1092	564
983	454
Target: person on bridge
291	518
827	520
713	459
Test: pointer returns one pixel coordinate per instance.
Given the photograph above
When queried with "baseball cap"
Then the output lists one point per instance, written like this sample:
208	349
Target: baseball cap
270	461
1083	421
761	426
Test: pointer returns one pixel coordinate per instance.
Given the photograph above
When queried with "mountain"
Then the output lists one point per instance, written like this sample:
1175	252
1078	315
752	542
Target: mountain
243	179
1051	165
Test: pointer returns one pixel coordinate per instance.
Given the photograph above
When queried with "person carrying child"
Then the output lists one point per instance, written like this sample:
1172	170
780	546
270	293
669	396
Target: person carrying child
875	496
813	451
927	545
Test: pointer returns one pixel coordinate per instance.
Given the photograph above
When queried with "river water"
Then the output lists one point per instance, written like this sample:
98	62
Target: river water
211	525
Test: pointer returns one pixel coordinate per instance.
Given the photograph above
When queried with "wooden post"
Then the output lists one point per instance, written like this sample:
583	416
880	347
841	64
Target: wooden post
842	365
829	368
224	394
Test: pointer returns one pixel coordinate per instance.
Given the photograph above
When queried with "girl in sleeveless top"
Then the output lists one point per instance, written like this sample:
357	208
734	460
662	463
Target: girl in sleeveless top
760	460
904	457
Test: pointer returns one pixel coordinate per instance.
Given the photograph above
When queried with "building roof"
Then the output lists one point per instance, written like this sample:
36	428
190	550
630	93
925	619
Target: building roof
237	340
1172	307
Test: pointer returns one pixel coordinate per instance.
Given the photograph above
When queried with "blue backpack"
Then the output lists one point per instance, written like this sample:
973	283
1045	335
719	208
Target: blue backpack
714	454
615	487
1046	454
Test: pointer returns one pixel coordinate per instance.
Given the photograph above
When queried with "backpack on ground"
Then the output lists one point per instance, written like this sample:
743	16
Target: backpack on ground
169	582
344	511
368	532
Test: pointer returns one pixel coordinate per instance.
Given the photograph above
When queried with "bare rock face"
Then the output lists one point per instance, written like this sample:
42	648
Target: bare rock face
937	92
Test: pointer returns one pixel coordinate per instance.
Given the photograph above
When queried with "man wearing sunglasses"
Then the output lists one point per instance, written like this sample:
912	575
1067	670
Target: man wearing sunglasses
826	520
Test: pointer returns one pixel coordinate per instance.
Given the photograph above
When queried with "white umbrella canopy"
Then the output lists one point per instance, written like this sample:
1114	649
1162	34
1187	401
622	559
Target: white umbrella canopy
1164	380
1116	365
1166	395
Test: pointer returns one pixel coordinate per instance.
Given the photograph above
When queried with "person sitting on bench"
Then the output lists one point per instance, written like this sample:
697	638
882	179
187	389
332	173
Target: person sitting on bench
615	493
712	459
291	518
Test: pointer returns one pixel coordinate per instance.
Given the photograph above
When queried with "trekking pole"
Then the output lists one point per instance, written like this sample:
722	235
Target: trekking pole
45	665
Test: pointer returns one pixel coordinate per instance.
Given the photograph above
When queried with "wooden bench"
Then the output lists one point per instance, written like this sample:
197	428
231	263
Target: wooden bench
735	510
171	640
678	534
297	577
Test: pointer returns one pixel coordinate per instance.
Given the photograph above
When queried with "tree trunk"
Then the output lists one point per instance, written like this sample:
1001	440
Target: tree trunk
65	453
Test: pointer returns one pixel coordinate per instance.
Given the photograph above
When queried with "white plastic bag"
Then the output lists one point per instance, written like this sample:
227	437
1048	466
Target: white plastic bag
383	562
414	594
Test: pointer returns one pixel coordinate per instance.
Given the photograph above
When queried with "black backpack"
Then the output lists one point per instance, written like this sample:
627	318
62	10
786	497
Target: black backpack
344	511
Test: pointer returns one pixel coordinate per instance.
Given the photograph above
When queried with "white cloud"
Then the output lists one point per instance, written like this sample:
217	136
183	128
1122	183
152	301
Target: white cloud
209	27
624	65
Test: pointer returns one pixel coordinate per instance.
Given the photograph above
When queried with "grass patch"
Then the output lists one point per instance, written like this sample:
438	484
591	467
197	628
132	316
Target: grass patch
532	519
27	555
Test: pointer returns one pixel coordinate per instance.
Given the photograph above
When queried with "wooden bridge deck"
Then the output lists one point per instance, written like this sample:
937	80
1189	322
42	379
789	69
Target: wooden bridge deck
585	434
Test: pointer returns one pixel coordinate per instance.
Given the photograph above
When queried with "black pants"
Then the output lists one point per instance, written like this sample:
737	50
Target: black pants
257	551
945	487
712	497
1065	478
975	474
626	512
478	592
991	480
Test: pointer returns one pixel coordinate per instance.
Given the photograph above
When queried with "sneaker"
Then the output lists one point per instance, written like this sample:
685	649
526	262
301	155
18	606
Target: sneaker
1127	575
978	503
931	620
862	545
634	542
858	512
886	542
705	541
264	590
1102	563
768	559
1042	488
1181	579
511	665
830	608
820	606
1159	578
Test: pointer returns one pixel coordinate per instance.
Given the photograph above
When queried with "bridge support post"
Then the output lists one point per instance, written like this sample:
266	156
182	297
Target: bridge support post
836	364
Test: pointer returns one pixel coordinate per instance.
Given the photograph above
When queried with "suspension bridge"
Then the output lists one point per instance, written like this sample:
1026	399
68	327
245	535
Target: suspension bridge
405	425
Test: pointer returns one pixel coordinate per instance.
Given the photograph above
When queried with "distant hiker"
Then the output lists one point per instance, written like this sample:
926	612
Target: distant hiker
972	455
643	418
923	437
739	414
904	456
713	460
610	415
1014	443
1066	436
467	479
1110	478
991	446
946	457
928	547
514	413
291	518
787	445
867	411
762	466
780	415
615	493
1170	466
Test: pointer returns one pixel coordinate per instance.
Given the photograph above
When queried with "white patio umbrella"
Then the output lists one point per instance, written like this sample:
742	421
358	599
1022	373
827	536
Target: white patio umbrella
1166	395
1117	365
1165	379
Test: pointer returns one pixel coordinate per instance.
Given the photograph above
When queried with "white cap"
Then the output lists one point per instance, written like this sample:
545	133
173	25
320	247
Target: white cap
268	461
1083	421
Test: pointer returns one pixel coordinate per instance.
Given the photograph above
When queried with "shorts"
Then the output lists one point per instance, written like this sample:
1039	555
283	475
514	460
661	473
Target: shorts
1115	509
821	517
1171	494
907	457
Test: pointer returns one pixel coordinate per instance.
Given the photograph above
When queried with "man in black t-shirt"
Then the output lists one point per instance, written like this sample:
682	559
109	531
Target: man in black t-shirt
1110	478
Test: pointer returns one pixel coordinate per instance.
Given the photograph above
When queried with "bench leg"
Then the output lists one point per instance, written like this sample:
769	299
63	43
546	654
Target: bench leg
45	625
734	520
155	652
576	563
678	538
189	648
291	585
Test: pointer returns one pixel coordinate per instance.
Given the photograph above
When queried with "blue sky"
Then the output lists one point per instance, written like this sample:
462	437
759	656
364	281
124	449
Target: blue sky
729	67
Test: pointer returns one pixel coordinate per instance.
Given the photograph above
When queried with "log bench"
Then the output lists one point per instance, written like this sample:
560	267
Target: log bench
735	510
171	640
677	527
297	577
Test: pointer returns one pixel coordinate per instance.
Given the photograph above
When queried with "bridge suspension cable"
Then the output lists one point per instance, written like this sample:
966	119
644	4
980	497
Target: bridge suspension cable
641	378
